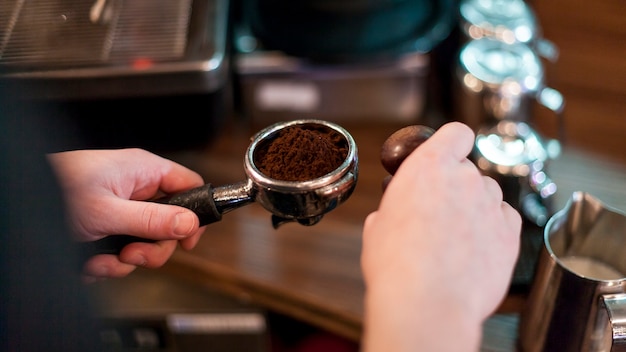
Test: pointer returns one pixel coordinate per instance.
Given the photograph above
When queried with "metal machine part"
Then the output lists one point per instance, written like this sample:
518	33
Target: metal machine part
517	157
501	81
73	49
511	21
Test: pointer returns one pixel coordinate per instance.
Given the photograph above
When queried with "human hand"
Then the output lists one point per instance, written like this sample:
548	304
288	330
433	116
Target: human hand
105	192
439	252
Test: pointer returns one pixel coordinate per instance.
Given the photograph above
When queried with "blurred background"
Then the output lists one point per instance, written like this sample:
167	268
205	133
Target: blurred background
174	76
119	66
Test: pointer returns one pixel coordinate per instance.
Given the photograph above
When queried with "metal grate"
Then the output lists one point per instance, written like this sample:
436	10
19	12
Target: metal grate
92	32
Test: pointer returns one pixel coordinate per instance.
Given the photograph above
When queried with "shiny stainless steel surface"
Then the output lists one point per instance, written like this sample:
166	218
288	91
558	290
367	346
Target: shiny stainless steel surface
510	147
577	299
501	81
498	85
232	196
302	201
615	306
511	21
515	155
70	49
77	33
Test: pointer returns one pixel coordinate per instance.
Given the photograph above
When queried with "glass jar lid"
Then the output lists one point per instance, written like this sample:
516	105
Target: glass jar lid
496	63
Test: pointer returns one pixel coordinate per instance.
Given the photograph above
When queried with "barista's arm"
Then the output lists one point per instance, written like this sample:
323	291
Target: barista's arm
439	253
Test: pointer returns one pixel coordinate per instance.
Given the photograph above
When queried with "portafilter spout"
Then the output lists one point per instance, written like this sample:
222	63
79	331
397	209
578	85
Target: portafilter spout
287	199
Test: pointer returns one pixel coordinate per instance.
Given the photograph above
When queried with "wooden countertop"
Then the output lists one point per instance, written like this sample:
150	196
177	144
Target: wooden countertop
313	273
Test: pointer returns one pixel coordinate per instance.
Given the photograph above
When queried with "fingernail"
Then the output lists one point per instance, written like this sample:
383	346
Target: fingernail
137	260
184	224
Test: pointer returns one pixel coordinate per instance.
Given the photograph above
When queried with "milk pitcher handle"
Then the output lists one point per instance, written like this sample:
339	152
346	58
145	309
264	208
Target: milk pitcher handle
615	307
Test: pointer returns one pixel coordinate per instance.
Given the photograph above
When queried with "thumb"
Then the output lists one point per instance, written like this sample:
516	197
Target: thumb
152	220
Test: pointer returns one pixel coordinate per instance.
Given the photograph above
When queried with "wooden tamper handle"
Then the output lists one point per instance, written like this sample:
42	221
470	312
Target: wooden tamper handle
399	145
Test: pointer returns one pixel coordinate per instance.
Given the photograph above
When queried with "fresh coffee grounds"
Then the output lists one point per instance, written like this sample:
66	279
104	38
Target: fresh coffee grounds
300	154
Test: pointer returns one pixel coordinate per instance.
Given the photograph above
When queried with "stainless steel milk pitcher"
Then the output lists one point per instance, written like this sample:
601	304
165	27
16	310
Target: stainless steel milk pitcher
577	300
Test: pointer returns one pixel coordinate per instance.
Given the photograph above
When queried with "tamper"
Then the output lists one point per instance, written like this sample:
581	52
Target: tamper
399	145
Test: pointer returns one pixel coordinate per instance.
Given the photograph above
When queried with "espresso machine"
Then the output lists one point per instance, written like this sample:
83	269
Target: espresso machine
112	67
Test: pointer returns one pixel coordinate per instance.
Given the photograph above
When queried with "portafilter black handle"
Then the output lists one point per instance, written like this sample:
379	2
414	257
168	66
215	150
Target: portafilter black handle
200	200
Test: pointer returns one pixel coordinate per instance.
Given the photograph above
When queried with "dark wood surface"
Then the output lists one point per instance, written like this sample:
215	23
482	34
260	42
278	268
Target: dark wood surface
313	272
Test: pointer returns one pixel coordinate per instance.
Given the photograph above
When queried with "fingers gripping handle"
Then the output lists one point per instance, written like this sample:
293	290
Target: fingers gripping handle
199	200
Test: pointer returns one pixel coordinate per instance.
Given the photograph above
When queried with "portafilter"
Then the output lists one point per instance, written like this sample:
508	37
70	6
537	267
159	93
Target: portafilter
302	201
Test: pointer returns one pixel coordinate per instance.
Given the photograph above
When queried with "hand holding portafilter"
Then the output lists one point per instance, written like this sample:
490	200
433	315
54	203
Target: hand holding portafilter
304	201
399	145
